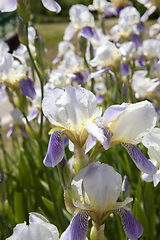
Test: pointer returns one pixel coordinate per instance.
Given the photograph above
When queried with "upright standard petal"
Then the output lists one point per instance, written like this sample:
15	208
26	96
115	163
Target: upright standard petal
140	160
77	230
51	5
131	226
55	152
133	123
8	5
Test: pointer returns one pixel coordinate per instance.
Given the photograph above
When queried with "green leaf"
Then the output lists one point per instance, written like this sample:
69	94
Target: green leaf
19	207
140	215
149	205
49	205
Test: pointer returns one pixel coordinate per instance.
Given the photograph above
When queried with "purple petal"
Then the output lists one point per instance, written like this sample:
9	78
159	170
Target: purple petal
24	132
77	230
147	13
125	187
103	135
69	32
124	69
8	6
56	59
100	99
87	32
131	226
113	112
141	28
51	5
10	130
100	72
33	114
140	160
78	77
139	62
27	88
91	141
136	39
65	140
55	152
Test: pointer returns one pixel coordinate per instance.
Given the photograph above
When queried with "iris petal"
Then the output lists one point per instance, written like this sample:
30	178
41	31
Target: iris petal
131	226
140	160
55	150
77	230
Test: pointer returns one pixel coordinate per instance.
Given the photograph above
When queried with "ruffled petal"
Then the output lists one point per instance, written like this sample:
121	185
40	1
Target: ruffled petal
140	160
131	226
55	150
77	230
51	5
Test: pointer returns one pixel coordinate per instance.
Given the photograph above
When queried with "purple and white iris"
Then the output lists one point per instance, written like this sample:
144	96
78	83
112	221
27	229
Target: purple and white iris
69	112
95	190
126	124
11	5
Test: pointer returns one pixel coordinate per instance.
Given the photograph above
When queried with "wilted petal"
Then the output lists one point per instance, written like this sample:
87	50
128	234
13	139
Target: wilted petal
103	135
8	5
77	230
27	87
55	150
131	226
51	5
140	160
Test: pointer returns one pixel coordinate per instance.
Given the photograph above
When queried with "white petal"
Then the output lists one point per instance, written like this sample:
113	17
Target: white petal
136	121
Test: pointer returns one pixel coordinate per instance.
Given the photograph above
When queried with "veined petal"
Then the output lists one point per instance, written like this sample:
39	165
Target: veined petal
103	135
140	160
55	150
51	5
77	230
131	226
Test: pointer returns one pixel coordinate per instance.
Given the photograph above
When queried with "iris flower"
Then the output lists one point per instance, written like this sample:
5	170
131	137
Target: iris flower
11	5
69	112
95	190
39	229
127	124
